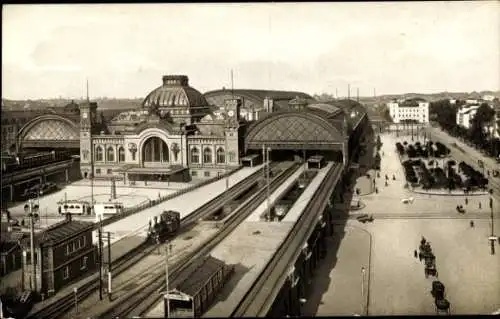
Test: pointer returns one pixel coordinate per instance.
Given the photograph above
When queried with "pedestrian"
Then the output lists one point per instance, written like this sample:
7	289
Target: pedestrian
420	256
466	201
479	205
415	253
386	184
472	224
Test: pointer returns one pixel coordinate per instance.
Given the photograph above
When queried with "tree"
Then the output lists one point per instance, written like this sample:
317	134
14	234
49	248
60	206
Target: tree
445	113
484	115
386	115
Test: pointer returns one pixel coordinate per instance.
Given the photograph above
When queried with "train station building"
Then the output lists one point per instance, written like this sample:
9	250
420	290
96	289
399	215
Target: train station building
175	135
178	133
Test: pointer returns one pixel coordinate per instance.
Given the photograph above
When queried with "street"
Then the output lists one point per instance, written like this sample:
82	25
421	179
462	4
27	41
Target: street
397	282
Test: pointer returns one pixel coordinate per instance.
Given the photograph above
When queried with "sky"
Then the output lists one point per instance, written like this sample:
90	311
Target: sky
49	51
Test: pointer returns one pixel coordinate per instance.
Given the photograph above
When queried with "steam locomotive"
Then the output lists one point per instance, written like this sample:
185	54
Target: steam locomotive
164	227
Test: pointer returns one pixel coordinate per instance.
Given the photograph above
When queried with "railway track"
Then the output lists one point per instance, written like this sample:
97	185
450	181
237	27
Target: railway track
141	300
65	303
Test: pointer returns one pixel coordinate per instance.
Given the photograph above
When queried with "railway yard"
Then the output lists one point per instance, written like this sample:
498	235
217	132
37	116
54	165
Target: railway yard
258	227
136	292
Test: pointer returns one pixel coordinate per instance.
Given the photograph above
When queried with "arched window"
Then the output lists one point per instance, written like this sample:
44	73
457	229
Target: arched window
110	154
121	155
221	156
195	155
207	155
98	154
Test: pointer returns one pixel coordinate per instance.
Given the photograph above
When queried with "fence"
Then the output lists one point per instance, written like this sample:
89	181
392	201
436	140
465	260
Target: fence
135	209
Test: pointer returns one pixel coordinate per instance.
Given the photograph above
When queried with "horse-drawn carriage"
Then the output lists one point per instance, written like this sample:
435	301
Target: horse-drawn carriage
429	258
441	303
438	289
425	250
442	306
430	268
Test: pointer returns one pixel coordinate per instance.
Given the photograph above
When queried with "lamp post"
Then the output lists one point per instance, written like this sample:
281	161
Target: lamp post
31	210
363	272
75	291
492	237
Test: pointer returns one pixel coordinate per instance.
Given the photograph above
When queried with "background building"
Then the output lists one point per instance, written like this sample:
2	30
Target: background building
256	103
465	114
410	110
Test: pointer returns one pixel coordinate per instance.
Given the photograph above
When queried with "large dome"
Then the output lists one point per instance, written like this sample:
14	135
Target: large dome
175	92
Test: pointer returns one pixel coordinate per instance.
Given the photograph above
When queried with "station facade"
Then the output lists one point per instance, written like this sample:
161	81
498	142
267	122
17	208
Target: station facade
175	136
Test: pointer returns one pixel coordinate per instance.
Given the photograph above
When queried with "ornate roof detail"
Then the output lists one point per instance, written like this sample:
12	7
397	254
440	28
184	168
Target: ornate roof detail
136	116
175	92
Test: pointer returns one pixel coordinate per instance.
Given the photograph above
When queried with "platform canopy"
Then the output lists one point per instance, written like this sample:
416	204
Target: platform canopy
294	130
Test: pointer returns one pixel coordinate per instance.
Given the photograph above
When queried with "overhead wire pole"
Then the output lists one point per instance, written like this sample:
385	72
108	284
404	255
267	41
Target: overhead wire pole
264	171
109	266
92	210
268	186
167	251
30	209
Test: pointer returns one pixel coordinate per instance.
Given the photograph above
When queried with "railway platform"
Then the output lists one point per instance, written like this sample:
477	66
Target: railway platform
185	204
275	196
251	246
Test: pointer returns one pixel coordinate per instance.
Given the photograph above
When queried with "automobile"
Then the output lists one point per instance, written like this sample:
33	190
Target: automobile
363	218
47	188
31	191
407	200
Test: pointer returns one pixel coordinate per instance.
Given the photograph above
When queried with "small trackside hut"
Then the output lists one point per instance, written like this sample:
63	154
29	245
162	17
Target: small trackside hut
63	252
196	294
316	162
